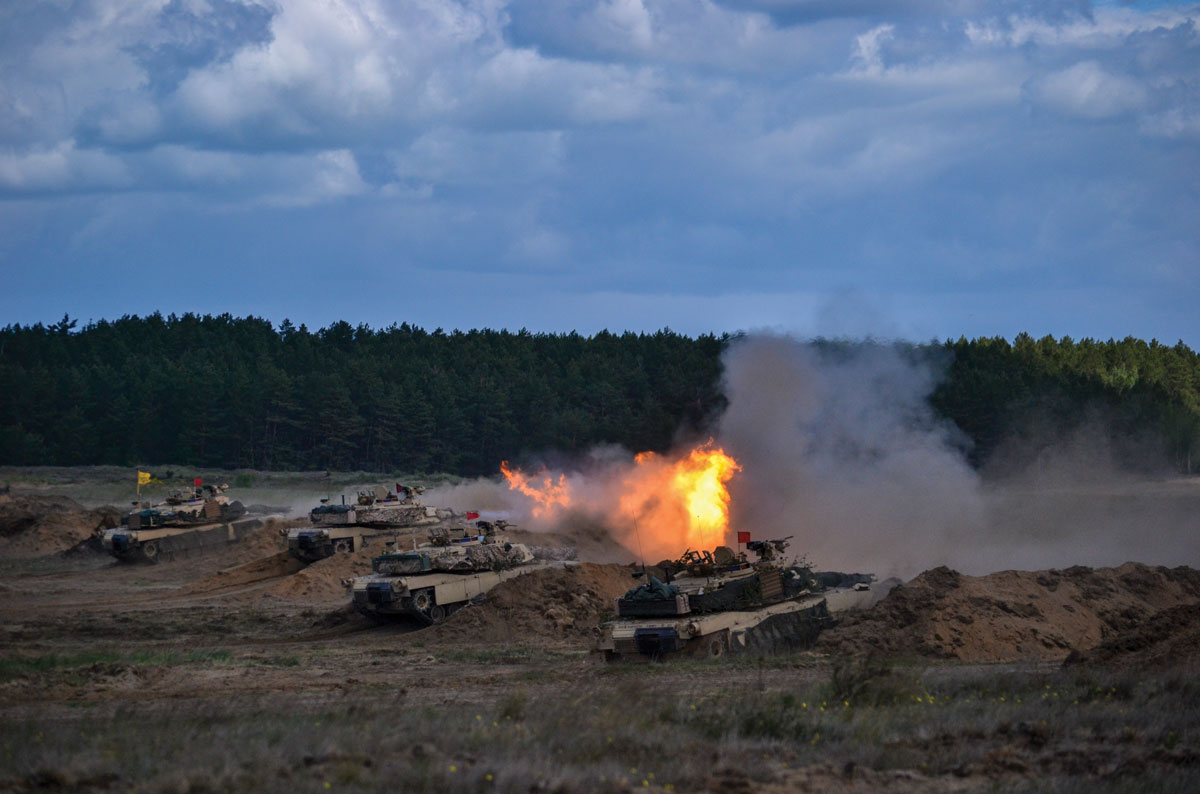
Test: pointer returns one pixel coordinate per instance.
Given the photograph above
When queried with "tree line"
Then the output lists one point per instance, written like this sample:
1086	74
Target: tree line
1144	397
227	392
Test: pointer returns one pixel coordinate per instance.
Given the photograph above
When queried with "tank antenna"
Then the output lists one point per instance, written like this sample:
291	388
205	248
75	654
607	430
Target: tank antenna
641	553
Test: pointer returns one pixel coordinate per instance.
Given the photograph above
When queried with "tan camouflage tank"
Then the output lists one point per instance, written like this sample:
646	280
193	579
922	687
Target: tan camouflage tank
189	522
718	602
377	513
430	582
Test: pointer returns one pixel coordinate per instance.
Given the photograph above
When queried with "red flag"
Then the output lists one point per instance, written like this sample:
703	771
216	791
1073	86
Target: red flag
743	537
198	482
471	515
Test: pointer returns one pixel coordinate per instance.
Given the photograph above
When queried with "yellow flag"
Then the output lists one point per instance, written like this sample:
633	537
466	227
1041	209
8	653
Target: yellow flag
143	478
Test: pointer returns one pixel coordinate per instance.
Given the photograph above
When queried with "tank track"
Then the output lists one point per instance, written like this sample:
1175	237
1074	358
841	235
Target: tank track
198	542
419	609
791	631
794	631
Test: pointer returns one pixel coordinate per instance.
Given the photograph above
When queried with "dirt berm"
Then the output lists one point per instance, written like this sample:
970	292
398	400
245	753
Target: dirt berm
1168	640
1013	615
262	560
38	526
560	601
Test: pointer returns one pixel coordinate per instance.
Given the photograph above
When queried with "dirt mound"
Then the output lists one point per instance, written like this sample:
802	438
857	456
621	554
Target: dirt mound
264	568
322	580
1012	615
560	601
267	559
1169	639
270	538
38	526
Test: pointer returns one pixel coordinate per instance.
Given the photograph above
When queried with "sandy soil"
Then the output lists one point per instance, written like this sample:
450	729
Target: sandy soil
1014	615
87	638
34	526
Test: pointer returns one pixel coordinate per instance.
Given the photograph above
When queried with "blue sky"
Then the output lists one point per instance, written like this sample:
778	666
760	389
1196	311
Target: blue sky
913	168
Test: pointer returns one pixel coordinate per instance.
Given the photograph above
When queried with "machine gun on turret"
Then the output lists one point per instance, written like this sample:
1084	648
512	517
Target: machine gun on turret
769	550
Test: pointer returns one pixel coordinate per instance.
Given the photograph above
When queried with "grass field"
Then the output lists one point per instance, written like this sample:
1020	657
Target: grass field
732	725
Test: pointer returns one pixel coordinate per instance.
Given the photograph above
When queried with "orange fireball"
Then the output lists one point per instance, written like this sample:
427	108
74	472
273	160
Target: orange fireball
546	495
657	506
670	506
700	481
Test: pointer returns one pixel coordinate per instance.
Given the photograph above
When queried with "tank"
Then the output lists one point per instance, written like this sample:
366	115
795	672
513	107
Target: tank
377	513
428	583
189	522
713	603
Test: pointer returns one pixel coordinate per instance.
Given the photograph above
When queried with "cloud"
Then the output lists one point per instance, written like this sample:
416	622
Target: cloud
628	20
1175	124
867	48
678	148
797	12
1088	91
463	158
59	167
367	69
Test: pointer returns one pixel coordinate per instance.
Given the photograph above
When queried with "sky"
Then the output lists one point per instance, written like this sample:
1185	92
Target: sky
901	168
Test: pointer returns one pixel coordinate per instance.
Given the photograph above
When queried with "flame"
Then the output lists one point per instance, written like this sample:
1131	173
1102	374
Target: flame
658	505
547	497
700	479
672	505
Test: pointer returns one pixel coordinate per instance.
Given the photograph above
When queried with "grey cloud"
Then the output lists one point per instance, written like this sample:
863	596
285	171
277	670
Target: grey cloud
1088	90
50	169
188	37
796	12
730	155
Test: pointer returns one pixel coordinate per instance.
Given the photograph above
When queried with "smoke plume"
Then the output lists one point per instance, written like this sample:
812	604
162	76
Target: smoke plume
840	448
837	446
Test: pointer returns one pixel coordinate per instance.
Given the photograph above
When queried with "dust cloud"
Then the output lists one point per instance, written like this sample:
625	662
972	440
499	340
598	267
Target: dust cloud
481	495
840	448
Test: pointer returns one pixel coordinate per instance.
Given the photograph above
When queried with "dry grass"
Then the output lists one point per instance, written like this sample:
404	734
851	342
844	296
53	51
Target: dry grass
1019	731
